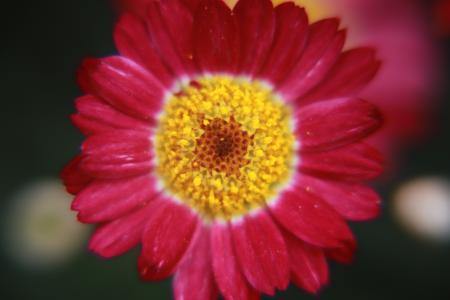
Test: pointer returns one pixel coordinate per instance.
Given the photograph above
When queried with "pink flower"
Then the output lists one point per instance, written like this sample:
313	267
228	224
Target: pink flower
230	144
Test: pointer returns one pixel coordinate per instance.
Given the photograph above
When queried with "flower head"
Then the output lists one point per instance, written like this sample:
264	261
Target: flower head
229	144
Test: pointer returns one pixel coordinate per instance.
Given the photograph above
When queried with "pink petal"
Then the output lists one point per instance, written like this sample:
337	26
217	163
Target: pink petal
194	278
216	39
191	4
353	201
310	219
121	235
170	25
352	72
123	84
261	252
106	200
133	41
309	268
330	124
88	126
118	146
289	40
344	253
167	236
117	154
95	116
353	162
256	22
227	272
73	177
114	171
323	46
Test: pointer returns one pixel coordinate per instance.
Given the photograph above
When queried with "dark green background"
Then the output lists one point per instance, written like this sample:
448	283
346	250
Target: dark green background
42	43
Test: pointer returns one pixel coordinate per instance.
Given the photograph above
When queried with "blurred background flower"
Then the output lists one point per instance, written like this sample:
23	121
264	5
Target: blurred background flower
422	206
41	231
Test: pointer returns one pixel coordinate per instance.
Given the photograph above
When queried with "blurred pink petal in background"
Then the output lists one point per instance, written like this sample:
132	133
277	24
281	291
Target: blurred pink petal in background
405	85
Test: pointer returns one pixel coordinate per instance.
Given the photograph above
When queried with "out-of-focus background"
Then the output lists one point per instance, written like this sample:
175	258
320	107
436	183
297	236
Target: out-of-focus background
405	254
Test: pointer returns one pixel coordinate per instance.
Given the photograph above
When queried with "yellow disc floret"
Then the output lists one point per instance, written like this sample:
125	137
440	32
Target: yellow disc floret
224	146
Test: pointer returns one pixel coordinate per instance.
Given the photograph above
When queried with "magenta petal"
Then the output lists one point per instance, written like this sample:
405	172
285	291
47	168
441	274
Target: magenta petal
352	72
124	84
117	154
73	177
167	235
118	146
289	41
194	278
106	200
344	253
228	274
87	125
256	24
309	268
114	171
119	236
171	28
191	4
95	116
310	219
330	124
320	36
216	40
262	253
353	201
353	162
323	46
133	41
162	41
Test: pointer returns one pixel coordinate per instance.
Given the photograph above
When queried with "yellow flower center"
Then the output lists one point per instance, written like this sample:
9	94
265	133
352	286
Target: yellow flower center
224	146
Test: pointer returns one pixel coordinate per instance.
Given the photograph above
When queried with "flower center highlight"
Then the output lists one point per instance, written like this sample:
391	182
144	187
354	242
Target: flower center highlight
224	146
